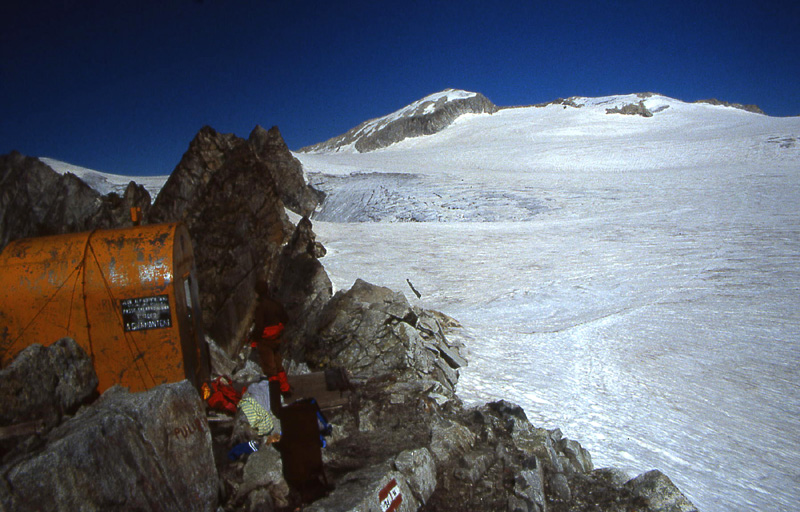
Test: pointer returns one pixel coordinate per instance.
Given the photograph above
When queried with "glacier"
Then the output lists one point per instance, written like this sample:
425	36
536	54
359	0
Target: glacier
633	281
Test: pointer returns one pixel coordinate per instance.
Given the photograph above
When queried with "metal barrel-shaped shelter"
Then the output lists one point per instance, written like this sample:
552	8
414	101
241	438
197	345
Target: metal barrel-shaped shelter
127	296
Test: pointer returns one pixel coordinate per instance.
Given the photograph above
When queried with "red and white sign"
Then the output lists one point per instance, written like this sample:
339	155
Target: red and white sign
390	497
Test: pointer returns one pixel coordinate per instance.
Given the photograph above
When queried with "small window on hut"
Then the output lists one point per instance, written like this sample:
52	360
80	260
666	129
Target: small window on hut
187	292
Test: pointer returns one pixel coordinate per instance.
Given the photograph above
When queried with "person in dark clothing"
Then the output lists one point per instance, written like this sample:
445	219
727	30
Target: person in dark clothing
270	321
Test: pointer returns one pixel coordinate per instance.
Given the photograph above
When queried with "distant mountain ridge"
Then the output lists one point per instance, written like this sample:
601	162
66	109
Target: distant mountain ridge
580	101
427	116
437	111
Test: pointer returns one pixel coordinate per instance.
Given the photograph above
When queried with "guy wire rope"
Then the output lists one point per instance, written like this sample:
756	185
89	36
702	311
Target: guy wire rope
136	355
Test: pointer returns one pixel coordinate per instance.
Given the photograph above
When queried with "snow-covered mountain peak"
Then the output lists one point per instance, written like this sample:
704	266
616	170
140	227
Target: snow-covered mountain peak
425	116
423	106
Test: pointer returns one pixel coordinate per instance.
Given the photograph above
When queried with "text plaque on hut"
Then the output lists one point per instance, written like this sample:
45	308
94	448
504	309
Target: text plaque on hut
144	313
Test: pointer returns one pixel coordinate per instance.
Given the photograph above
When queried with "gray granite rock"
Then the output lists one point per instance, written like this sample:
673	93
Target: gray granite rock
142	451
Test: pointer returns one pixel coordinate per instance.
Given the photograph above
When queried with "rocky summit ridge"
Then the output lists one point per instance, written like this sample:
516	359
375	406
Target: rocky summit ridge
403	441
426	116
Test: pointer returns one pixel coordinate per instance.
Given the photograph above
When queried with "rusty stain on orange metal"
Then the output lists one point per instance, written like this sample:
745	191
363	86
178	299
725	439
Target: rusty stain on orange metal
114	292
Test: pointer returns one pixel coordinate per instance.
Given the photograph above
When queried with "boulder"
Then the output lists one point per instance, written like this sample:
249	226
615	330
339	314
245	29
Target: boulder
480	467
40	387
386	417
419	469
661	494
405	481
614	476
372	489
142	451
372	331
46	382
262	486
528	494
579	459
449	438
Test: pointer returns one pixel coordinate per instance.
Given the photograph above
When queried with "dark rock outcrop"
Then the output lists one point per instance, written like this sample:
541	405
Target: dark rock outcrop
237	223
566	102
227	191
407	435
211	151
37	201
143	451
187	182
285	169
631	109
300	283
424	117
747	108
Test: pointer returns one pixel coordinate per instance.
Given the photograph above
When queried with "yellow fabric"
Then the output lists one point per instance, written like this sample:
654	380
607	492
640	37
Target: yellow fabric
258	417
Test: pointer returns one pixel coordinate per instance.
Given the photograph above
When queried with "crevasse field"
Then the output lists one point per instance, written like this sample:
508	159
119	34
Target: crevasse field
633	281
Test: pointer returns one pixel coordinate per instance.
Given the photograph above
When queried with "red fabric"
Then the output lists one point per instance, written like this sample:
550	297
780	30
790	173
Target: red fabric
271	332
223	395
282	380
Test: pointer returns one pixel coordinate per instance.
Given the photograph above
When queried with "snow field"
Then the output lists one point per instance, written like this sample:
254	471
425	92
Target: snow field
650	309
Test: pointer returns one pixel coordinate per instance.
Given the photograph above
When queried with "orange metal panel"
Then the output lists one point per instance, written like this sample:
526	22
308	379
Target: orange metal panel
41	288
115	293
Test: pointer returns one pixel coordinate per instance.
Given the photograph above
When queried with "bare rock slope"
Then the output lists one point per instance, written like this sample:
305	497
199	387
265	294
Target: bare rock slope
427	116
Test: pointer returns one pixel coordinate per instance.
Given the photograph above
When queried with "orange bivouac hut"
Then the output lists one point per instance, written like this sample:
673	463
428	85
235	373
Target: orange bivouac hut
127	296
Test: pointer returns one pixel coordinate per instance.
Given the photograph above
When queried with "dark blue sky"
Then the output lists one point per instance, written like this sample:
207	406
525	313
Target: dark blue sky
123	86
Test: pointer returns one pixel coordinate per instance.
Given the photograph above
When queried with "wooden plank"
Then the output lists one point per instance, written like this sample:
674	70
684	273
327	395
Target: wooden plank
313	385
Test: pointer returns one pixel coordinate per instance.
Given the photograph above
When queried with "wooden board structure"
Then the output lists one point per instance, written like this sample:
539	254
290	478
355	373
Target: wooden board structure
314	385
